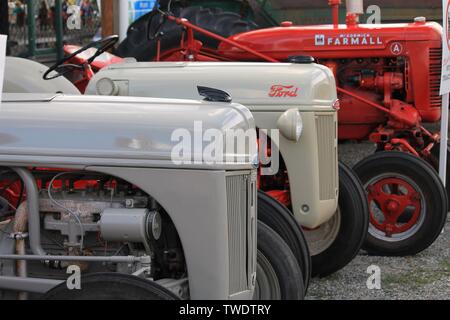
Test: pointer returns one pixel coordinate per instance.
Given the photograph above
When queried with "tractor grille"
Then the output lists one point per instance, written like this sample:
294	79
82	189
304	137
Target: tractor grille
241	202
435	77
326	125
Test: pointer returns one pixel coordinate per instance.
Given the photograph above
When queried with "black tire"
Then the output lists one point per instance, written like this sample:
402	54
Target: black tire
435	152
111	286
281	220
137	45
429	194
354	222
277	263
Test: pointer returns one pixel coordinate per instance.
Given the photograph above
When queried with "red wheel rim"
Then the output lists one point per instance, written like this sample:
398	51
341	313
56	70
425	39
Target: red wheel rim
394	198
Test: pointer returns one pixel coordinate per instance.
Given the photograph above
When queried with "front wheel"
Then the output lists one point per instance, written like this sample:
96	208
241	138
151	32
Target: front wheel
335	243
111	286
278	275
407	203
277	217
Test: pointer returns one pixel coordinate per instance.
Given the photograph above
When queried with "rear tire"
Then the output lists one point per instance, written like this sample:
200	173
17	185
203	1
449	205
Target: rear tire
408	203
334	244
281	220
137	45
279	276
111	286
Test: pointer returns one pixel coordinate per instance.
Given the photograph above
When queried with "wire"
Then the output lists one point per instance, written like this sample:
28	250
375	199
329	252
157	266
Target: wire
73	214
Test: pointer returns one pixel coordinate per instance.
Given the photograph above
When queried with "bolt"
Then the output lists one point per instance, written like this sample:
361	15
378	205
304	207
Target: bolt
392	206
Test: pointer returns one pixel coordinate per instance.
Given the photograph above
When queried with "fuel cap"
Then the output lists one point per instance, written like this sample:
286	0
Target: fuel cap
420	19
301	59
287	24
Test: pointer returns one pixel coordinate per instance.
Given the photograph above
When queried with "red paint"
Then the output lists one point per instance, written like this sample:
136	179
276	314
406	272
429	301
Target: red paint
393	204
334	4
191	27
282	196
280	91
102	61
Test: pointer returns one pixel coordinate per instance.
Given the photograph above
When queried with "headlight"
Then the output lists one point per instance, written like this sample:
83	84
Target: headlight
107	87
290	125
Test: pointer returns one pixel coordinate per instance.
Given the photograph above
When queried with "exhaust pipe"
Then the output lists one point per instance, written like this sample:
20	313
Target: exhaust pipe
334	4
355	6
34	224
20	227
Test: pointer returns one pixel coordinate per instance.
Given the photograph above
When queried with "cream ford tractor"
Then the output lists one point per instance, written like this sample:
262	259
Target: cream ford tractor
112	195
300	101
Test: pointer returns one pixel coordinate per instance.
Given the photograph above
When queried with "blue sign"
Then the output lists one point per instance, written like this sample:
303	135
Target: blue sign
140	8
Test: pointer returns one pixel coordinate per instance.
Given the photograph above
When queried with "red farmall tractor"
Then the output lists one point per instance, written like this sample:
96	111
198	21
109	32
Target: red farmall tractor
388	78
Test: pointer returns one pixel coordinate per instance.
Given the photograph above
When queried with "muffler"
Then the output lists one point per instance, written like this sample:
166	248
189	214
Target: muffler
355	6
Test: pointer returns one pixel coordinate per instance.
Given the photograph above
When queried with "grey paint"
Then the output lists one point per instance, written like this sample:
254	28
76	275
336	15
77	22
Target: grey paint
28	284
200	216
108	130
248	83
25	76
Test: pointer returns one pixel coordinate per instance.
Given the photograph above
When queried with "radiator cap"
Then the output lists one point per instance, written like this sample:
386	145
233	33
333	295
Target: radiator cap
420	19
301	59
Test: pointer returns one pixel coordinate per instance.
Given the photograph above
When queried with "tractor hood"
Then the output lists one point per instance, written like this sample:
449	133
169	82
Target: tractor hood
369	40
60	130
258	86
25	76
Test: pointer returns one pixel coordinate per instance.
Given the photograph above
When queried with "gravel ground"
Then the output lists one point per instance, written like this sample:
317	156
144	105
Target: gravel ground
425	276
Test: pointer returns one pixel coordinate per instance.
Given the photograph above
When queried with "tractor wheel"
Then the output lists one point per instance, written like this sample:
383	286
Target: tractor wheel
278	275
407	203
434	161
335	243
111	286
281	220
138	45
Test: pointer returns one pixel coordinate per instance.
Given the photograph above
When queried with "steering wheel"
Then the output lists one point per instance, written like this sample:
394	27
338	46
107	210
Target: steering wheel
162	19
62	68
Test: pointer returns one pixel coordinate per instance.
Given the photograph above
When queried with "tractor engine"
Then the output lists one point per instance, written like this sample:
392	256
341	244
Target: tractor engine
388	75
90	214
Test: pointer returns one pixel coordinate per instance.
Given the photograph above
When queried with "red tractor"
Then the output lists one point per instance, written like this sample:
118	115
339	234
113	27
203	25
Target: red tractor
388	79
388	75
